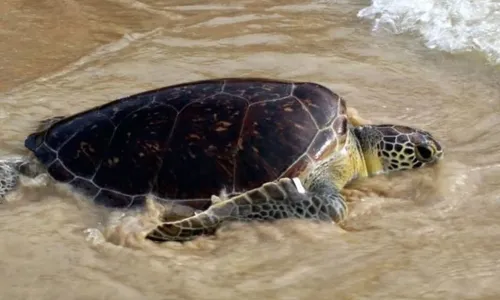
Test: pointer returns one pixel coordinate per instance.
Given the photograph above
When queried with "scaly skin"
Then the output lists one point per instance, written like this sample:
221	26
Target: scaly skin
369	150
9	175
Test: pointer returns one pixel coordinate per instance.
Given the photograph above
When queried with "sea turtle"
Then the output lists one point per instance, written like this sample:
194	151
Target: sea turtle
279	149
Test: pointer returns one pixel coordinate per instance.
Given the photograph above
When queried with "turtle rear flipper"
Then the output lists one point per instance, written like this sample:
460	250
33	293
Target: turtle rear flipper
9	177
271	201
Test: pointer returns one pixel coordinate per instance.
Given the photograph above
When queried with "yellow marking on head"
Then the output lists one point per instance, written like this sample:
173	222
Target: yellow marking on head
373	162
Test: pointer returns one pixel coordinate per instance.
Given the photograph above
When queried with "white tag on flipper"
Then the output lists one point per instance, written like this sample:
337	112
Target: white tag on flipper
298	185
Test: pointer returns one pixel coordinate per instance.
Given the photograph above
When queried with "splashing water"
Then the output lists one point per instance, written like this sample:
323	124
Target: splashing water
448	25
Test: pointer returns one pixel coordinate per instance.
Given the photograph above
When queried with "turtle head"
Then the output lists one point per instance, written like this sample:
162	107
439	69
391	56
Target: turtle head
389	148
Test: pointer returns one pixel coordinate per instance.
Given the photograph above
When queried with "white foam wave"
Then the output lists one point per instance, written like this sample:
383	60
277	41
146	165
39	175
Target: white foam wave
449	25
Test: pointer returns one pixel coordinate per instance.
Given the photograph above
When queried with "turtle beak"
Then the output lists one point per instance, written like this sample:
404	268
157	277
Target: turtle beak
438	150
440	154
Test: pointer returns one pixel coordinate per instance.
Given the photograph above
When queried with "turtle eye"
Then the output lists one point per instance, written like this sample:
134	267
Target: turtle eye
425	152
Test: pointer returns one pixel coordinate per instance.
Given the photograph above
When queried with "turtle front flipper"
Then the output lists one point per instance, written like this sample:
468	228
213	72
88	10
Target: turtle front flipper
271	201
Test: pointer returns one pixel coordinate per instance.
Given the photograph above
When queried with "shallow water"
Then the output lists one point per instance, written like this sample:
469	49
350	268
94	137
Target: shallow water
431	234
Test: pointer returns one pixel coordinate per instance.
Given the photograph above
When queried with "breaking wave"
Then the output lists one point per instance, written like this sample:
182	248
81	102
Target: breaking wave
448	25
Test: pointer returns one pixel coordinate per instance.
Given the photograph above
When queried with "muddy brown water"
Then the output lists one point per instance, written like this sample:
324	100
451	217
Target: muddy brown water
431	234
